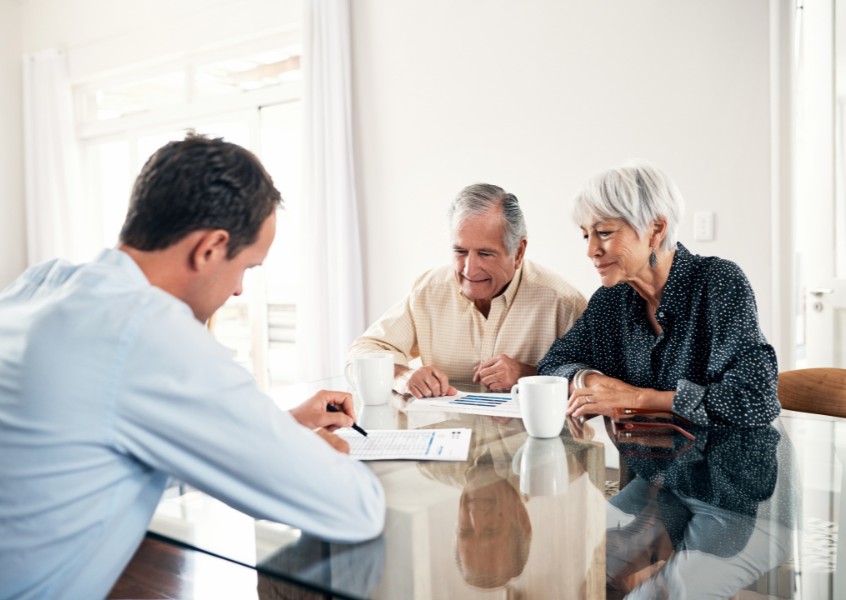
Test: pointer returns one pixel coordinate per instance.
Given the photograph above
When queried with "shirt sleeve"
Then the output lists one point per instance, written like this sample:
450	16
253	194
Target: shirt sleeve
742	372
571	352
393	332
183	406
570	308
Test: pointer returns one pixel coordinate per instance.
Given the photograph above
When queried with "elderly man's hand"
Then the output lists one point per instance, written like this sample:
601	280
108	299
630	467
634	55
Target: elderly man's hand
501	372
313	412
428	382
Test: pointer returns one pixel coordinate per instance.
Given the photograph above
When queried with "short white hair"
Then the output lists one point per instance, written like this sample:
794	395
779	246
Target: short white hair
636	193
479	198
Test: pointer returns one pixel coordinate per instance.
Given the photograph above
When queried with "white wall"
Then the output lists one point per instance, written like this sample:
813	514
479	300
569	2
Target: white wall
12	224
538	95
534	96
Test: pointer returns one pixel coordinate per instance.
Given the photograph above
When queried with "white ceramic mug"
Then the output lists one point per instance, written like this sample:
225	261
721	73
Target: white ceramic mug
372	376
543	404
542	467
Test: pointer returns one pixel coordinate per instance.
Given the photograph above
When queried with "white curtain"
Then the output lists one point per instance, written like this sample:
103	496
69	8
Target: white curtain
50	160
331	307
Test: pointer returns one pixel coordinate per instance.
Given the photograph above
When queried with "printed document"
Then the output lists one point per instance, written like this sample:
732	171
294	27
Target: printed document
408	444
495	405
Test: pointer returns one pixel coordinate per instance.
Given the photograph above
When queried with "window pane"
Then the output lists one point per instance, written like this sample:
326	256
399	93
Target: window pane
119	101
281	154
248	73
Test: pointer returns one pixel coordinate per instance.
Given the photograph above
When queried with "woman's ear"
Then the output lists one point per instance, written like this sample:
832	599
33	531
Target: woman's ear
210	248
659	232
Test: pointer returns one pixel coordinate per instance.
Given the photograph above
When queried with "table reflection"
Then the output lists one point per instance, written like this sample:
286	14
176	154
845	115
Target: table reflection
702	520
503	531
526	518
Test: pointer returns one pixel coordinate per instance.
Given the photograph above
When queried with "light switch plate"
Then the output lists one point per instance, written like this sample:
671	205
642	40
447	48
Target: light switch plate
703	226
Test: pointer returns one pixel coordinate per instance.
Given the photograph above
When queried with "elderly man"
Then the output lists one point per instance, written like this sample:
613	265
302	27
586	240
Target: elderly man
111	383
486	319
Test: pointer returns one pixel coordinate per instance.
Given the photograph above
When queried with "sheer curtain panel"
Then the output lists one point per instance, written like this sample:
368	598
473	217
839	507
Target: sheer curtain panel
54	228
331	307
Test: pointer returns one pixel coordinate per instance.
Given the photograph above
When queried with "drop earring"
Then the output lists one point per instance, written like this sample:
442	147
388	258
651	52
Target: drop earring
653	259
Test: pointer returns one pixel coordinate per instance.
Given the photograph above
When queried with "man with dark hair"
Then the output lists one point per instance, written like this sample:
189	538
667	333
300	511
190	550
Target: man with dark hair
110	383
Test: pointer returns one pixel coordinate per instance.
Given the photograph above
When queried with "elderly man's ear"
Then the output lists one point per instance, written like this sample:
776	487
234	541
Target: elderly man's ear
520	254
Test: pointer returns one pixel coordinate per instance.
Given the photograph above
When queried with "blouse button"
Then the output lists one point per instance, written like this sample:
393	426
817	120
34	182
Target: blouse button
661	314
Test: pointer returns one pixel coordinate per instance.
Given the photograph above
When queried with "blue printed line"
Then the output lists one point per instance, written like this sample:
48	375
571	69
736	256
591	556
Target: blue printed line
429	445
488	398
468	403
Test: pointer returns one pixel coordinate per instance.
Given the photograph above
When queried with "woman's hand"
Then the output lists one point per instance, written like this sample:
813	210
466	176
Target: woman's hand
603	394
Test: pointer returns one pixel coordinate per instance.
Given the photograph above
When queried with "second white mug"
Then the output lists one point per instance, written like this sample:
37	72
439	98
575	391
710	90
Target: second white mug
543	404
372	376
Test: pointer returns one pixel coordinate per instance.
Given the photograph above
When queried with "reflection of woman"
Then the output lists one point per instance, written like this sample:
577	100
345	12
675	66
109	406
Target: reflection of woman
708	522
669	330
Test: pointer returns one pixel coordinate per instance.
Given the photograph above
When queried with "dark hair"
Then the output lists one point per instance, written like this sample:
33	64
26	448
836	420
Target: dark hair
199	183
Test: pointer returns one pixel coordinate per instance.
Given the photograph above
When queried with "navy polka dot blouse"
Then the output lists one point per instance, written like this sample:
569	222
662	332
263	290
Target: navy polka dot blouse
711	351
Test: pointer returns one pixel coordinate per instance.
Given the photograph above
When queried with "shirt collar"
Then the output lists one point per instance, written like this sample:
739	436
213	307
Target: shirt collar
509	293
511	290
679	281
120	259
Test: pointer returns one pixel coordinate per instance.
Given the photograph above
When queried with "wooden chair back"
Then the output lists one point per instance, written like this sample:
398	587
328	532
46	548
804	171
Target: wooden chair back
821	391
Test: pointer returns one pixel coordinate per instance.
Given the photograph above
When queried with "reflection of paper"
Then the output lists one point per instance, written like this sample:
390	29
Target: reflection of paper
495	405
410	444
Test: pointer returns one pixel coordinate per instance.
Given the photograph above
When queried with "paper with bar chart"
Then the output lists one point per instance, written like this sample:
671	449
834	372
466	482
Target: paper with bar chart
495	405
408	444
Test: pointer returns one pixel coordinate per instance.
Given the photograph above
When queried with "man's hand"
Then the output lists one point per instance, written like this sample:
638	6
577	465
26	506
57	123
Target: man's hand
333	440
501	372
425	382
313	414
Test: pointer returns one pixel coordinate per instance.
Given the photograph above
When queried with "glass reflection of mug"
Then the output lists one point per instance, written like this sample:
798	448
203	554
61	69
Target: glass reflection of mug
543	404
372	376
377	417
542	467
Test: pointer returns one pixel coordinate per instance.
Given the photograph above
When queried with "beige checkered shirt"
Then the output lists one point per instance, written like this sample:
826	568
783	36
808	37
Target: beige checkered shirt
438	324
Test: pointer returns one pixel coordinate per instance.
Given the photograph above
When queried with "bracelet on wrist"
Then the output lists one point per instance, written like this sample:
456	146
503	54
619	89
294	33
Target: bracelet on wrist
579	377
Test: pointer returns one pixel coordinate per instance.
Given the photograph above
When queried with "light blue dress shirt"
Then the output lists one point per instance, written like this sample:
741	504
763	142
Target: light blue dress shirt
107	386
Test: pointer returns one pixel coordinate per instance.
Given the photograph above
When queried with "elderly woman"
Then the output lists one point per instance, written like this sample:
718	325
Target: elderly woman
668	330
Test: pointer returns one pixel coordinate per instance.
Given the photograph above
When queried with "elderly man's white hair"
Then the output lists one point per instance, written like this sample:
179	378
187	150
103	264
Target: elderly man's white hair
479	198
637	193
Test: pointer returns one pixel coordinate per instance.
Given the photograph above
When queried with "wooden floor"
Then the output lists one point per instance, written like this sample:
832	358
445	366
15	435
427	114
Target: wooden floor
162	571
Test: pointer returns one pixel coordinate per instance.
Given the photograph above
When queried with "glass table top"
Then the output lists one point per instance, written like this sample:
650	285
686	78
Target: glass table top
738	511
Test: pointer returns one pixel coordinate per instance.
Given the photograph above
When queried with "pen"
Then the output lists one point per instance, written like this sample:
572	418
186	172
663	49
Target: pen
333	408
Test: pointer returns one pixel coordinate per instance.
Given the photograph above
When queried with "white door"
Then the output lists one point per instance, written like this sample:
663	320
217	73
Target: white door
820	193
